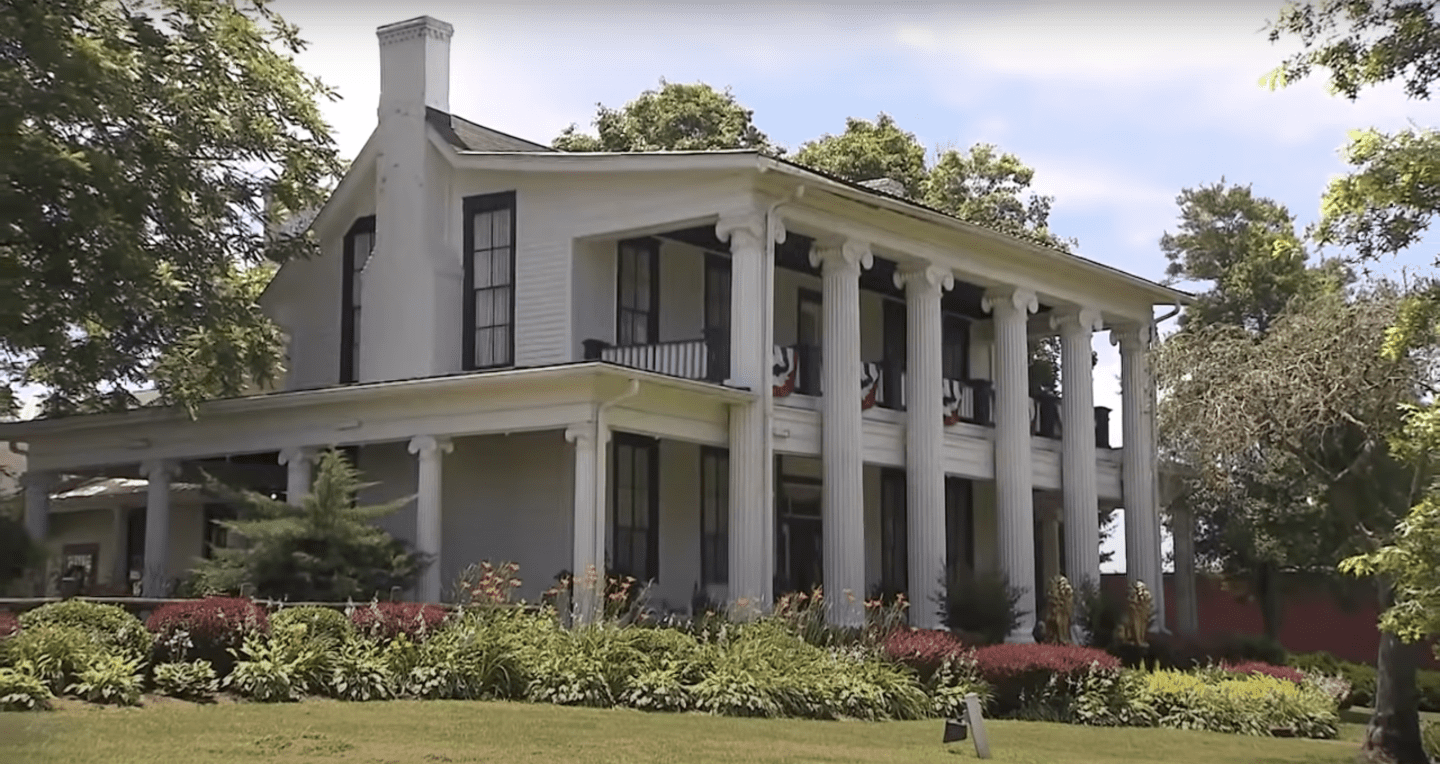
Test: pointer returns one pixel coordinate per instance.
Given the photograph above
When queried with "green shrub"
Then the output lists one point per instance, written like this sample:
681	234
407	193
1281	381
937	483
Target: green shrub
584	667
358	670
1318	662
984	604
109	679
1430	738
477	655
115	630
283	667
1249	705
53	654
191	681
1099	613
20	691
1427	686
1108	697
210	629
321	623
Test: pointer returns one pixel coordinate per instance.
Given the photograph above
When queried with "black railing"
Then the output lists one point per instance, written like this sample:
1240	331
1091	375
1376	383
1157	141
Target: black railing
1045	415
688	359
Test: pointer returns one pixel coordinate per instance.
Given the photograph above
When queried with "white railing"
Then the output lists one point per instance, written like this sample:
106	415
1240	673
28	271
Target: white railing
684	358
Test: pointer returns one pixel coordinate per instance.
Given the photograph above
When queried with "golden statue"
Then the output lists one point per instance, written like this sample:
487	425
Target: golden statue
1059	610
1136	622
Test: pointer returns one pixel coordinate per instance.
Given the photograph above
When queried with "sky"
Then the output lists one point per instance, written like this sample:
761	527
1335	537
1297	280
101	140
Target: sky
1118	106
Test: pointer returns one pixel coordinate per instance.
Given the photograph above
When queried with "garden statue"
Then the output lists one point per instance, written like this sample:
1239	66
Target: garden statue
1059	610
1136	621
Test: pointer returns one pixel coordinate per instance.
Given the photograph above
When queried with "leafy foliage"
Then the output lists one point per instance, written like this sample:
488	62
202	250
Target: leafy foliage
385	621
674	117
983	604
280	668
328	549
109	679
357	670
9	624
1253	705
53	654
1361	44
210	629
870	151
20	691
1019	672
989	187
144	144
321	623
109	626
194	680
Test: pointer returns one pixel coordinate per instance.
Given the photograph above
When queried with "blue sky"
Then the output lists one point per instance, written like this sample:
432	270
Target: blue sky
1118	106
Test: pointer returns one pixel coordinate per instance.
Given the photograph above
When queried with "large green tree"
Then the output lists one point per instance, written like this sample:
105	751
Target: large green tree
868	150
673	117
143	145
1383	207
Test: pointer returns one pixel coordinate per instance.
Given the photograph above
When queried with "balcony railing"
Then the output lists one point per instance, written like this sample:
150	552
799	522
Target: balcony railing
701	359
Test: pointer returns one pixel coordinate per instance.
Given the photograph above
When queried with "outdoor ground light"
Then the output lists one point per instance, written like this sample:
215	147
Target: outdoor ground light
959	728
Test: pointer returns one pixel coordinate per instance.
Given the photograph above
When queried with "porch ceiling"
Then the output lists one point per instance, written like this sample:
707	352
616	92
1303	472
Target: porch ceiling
476	403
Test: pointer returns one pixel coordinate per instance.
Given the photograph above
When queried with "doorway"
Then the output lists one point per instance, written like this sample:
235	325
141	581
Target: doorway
799	564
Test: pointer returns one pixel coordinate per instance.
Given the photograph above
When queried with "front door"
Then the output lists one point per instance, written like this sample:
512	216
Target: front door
798	563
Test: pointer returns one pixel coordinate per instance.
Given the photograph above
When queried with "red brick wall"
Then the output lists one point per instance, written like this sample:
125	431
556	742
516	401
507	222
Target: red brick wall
1313	619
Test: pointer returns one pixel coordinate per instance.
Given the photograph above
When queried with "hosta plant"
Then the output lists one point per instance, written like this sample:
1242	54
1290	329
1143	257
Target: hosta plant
112	628
53	654
109	679
358	671
195	680
20	691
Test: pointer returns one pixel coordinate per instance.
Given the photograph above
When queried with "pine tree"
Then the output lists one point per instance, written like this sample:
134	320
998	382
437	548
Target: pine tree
326	549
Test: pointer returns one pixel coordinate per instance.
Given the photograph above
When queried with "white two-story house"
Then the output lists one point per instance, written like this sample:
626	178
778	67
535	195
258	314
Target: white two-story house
721	372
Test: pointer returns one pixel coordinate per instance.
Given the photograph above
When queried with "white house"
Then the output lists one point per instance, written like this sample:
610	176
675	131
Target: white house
638	362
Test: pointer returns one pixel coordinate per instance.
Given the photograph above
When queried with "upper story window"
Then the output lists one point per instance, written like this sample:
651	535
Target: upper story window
490	281
637	292
359	244
954	346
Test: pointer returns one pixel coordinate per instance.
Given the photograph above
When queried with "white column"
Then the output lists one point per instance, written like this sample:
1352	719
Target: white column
924	440
156	576
1014	500
588	565
1077	417
752	547
1137	463
429	488
842	490
37	487
1182	527
297	461
119	566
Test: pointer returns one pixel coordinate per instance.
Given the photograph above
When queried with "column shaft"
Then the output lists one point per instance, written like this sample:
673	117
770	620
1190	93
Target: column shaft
156	577
588	566
429	490
119	566
924	441
1014	500
1077	416
1182	525
38	486
1137	463
842	489
298	463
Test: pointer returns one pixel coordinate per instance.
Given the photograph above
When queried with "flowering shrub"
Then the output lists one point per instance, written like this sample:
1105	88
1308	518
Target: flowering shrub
384	621
924	650
9	624
1250	705
207	629
484	584
1017	671
1337	688
111	627
1256	667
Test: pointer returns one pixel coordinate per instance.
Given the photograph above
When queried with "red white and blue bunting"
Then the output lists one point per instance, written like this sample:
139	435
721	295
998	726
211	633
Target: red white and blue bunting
783	370
869	384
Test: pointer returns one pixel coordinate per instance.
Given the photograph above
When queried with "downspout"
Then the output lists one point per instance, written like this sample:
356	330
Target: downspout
15	448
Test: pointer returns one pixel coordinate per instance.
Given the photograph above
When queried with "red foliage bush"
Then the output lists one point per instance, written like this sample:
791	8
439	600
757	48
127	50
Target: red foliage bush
213	625
1013	669
387	620
9	624
924	650
1256	667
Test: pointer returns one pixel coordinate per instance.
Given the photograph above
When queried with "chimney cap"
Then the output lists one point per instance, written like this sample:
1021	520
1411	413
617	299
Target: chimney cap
409	29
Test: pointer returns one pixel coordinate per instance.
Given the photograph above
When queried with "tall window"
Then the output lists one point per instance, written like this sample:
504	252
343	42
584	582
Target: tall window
637	292
635	482
954	346
894	559
809	337
717	315
959	524
490	280
216	536
359	244
714	516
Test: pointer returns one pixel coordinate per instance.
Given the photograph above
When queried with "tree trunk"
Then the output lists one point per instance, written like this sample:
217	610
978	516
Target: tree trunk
1267	584
1393	734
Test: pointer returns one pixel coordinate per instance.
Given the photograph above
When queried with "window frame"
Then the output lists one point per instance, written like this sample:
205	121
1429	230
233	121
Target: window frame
472	206
894	532
649	248
213	535
650	447
715	543
350	305
954	338
959	506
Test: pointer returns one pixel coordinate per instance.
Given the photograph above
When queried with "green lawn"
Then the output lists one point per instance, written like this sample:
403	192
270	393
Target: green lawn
433	732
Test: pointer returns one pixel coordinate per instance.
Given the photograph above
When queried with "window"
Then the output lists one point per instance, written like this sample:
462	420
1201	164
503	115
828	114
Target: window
490	281
894	559
809	336
714	515
216	535
955	346
959	524
896	342
359	245
635	484
717	316
637	292
80	561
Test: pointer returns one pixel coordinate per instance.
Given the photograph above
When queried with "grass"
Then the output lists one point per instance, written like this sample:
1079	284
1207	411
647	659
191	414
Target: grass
435	732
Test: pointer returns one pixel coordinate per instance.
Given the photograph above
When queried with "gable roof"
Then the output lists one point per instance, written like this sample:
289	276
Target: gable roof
471	136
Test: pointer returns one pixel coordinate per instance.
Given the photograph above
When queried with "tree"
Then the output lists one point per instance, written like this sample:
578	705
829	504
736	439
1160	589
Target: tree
327	549
1382	208
870	151
143	146
990	188
676	117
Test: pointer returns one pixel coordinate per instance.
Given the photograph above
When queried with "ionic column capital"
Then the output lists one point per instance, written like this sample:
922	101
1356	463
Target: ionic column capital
849	256
159	469
298	454
582	434
1003	301
430	446
1132	337
745	228
925	279
1077	321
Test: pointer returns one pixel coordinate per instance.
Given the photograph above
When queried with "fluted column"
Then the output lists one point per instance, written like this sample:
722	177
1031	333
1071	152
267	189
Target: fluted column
429	489
588	567
842	490
1014	500
924	440
1137	462
1077	417
298	472
156	578
752	547
37	486
119	566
